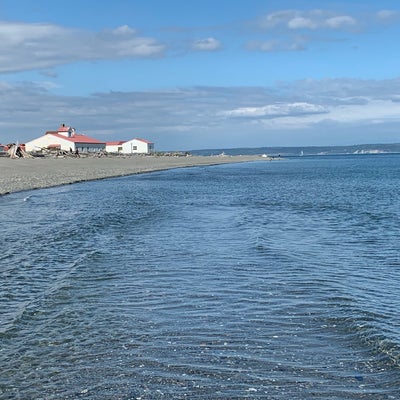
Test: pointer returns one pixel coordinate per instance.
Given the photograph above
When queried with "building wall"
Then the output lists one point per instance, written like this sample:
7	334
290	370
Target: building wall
135	146
89	147
114	148
46	140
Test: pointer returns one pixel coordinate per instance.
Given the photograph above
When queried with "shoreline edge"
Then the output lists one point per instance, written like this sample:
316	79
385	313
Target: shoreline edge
24	174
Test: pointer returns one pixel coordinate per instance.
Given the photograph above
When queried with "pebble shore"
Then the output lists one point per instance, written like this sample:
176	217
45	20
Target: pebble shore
36	173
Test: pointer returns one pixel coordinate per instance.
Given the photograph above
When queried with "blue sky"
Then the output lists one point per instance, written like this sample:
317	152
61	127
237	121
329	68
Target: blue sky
202	74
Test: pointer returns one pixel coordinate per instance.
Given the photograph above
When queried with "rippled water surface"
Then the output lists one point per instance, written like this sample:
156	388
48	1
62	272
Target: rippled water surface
265	280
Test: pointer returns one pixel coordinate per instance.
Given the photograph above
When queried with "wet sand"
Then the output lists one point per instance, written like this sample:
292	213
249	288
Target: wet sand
36	173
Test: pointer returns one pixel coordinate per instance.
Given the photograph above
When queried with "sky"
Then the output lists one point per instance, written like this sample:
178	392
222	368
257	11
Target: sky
198	74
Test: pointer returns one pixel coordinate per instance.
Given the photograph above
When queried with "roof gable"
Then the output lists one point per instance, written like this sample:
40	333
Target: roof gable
116	143
144	140
77	138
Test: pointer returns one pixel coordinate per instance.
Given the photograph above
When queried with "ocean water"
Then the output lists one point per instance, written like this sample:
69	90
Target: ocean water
262	280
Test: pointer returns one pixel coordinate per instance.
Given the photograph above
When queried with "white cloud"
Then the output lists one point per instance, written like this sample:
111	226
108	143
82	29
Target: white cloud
208	44
311	20
124	30
388	15
291	44
285	27
25	46
341	21
276	110
301	23
385	110
275	19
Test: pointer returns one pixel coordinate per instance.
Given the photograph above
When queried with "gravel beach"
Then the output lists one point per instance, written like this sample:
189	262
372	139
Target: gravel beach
36	173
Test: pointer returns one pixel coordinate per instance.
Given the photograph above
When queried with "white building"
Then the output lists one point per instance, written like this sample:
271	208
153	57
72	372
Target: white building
114	147
65	138
134	146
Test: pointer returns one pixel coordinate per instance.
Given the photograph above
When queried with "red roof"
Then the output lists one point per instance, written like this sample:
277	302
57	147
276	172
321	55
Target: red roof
77	138
115	143
144	140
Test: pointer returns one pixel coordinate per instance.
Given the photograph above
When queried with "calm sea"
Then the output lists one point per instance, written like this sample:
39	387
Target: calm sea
263	280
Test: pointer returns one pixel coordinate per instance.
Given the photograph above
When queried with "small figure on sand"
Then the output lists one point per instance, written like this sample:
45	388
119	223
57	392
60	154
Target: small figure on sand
77	153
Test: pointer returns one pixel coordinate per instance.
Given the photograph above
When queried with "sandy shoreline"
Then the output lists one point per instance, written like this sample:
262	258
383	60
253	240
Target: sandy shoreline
37	173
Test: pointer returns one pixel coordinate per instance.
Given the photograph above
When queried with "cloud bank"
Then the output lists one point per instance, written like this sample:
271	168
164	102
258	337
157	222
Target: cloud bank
202	117
27	46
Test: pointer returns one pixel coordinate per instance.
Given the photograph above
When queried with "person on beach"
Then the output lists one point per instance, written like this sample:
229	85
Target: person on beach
77	153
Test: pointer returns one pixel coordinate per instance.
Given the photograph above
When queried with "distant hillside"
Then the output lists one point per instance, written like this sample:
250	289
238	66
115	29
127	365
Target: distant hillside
306	150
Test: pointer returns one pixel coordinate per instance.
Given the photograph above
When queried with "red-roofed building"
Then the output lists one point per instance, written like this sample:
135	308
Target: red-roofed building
114	147
65	138
134	146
